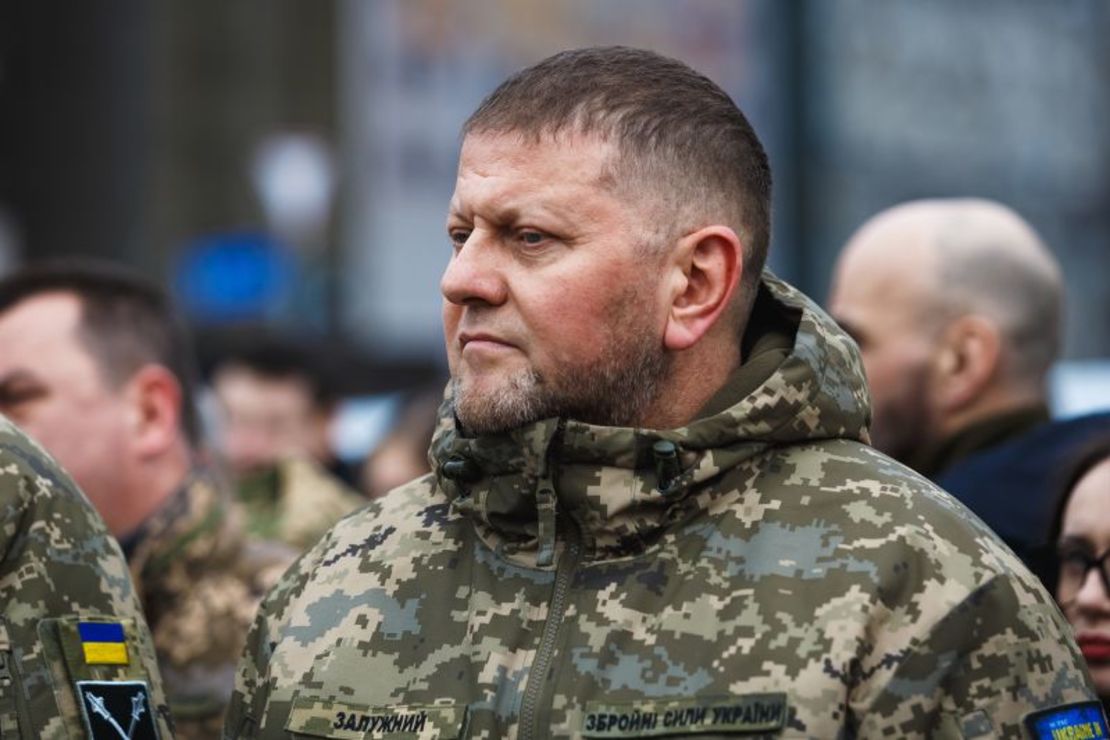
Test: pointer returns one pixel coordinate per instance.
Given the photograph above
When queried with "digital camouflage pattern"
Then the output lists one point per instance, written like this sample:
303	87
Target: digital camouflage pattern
59	566
759	571
295	501
200	580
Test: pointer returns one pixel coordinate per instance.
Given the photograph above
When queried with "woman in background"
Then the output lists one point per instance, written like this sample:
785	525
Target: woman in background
1082	529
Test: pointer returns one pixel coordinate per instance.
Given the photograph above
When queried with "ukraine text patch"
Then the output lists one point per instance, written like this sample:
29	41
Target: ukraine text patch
103	643
117	710
752	713
1082	721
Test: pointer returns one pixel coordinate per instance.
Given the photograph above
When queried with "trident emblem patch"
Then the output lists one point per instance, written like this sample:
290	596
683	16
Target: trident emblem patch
117	710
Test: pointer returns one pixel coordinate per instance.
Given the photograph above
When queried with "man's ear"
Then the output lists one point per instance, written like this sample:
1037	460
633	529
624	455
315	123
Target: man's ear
706	267
967	362
155	396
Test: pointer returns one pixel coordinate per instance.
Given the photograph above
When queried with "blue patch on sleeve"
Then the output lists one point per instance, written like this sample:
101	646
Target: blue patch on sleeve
100	631
1081	721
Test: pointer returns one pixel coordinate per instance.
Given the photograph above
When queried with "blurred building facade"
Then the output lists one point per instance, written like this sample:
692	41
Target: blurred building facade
135	130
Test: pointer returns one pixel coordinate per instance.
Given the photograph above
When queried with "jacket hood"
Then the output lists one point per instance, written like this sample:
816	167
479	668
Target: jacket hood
621	487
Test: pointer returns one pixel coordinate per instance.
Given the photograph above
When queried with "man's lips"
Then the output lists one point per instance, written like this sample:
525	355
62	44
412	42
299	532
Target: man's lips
1095	648
479	339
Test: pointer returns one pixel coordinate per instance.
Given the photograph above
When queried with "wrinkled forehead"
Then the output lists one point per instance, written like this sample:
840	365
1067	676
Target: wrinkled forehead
505	167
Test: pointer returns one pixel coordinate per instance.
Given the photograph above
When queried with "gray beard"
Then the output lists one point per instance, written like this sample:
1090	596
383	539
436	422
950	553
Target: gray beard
616	391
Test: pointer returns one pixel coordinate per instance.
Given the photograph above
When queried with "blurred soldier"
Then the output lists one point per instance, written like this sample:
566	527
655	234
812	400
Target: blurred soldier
653	509
403	454
277	409
955	305
94	365
75	653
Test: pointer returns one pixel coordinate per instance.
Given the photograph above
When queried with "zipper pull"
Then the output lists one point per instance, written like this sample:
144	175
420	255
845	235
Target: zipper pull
545	509
667	467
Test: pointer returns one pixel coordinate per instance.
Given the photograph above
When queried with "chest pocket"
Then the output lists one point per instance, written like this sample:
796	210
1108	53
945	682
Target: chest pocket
758	715
327	718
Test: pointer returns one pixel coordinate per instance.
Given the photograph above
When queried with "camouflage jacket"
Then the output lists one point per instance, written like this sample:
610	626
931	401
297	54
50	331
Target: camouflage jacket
200	581
295	502
63	582
759	571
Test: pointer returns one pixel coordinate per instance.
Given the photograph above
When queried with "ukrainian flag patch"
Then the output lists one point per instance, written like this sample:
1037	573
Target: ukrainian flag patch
103	643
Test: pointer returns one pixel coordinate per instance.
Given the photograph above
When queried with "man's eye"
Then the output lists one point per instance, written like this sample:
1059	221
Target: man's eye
458	236
532	238
11	398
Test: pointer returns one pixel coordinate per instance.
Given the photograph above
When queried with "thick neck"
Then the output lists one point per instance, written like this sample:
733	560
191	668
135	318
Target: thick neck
148	485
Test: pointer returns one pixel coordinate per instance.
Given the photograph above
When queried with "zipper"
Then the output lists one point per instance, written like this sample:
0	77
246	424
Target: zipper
11	695
537	676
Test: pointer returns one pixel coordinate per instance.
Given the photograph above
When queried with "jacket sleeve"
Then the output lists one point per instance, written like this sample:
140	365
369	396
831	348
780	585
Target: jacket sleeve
1003	652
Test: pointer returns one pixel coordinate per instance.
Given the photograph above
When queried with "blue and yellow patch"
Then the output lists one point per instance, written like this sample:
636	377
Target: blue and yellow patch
103	643
1082	721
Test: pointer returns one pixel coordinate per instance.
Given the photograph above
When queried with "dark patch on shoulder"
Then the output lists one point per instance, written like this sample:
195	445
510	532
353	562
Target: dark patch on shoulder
370	544
436	514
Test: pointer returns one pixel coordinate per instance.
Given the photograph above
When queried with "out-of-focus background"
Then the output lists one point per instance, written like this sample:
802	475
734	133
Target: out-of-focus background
286	164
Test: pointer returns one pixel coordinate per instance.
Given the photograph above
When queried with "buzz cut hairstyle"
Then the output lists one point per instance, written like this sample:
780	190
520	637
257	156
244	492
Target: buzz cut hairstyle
675	131
127	321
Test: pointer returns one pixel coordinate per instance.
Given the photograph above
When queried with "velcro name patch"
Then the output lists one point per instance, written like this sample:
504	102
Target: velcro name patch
337	719
749	713
1081	721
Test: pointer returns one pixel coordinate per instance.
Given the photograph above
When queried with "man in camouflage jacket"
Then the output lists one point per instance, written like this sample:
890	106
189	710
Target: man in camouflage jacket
653	510
60	574
200	580
94	366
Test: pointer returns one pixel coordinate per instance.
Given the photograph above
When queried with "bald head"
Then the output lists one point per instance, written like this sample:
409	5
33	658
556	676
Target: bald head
913	271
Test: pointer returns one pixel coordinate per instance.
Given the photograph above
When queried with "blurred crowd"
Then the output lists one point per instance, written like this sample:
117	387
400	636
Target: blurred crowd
97	366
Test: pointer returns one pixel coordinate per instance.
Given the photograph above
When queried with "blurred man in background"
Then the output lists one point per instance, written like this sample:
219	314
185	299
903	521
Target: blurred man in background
95	366
276	409
402	455
68	611
956	307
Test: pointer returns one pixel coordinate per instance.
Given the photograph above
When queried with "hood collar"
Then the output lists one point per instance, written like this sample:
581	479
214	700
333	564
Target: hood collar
621	487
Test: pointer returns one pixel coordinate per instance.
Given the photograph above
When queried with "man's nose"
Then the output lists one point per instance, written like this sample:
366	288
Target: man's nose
475	273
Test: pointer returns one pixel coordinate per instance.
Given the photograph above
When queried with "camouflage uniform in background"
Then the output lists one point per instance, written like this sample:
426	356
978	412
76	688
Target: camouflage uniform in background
295	501
761	570
200	581
61	569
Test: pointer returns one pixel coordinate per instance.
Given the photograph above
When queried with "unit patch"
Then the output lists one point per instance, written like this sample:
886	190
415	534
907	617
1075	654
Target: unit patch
1082	721
117	710
751	713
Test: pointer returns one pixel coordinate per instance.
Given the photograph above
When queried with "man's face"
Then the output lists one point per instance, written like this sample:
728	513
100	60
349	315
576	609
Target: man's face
54	389
881	305
552	301
264	419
